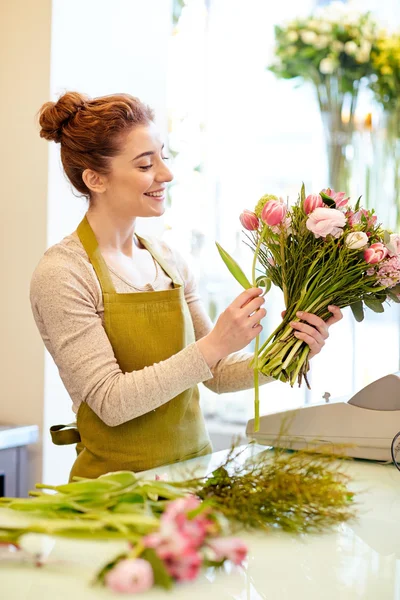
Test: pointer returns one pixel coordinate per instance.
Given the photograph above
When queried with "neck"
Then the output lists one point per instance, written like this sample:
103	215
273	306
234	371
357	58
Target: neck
114	232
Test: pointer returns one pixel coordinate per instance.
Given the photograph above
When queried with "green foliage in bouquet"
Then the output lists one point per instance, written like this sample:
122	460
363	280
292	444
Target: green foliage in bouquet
386	68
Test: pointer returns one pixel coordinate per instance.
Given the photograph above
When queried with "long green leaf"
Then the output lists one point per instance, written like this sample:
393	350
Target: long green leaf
234	268
357	310
374	305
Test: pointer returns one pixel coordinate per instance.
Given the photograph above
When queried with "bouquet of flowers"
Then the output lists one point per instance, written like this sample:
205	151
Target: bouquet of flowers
319	252
332	50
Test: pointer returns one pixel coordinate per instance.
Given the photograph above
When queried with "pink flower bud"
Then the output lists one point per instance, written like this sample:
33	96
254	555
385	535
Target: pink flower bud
232	548
312	202
273	213
249	220
130	576
375	253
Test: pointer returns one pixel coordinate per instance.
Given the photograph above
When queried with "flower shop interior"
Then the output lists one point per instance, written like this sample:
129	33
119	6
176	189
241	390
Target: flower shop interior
251	98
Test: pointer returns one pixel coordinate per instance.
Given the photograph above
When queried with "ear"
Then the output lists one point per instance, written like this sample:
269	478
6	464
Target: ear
95	182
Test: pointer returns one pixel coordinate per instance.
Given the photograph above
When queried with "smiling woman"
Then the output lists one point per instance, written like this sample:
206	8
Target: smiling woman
120	313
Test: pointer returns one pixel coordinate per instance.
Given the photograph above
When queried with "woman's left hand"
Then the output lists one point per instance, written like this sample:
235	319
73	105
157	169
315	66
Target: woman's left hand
313	330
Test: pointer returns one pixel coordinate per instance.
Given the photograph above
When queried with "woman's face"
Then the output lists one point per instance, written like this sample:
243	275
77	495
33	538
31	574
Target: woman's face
136	185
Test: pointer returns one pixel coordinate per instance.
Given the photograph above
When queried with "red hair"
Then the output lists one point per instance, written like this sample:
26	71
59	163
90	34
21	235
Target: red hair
90	131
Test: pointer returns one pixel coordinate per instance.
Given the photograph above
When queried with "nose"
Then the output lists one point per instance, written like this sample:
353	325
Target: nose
164	174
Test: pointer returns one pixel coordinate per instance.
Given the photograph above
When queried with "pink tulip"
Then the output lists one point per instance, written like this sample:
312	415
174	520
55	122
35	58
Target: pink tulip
233	549
375	253
326	221
273	212
130	576
312	202
354	218
249	220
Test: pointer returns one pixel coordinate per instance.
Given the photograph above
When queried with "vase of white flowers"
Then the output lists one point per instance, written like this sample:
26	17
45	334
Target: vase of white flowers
332	50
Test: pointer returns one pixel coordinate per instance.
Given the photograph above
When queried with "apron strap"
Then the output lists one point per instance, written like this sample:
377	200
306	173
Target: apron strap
89	242
63	435
170	271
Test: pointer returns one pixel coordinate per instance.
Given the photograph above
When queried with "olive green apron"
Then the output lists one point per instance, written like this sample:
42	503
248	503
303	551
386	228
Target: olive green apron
143	328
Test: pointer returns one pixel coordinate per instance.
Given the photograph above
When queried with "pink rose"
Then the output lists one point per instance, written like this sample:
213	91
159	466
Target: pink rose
375	253
229	548
273	212
326	221
249	220
130	576
312	202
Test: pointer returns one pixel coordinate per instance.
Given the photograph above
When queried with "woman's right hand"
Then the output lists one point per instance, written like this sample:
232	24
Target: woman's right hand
235	327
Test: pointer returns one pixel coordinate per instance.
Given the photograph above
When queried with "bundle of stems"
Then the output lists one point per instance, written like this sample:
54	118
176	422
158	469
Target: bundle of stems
296	492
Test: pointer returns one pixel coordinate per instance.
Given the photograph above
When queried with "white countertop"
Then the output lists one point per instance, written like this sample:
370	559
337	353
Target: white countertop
360	560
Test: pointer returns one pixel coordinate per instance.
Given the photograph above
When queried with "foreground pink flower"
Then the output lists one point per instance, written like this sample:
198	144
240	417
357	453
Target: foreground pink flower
130	576
273	213
312	202
354	218
229	548
375	253
185	567
326	221
249	220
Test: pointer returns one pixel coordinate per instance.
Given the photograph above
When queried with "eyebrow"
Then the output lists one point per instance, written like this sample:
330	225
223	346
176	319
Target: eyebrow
149	153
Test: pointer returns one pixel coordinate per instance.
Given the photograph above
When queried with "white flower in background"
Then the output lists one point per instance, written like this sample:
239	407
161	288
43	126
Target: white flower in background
362	57
291	50
313	24
366	47
337	46
356	240
327	66
324	27
350	48
292	36
308	37
321	42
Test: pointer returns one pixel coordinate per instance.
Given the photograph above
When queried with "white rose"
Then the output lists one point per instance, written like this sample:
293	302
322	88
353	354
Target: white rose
350	48
324	27
337	46
292	36
321	42
366	47
327	66
308	37
356	240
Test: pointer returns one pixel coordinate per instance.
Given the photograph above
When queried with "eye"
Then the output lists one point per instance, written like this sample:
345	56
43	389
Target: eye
146	168
165	157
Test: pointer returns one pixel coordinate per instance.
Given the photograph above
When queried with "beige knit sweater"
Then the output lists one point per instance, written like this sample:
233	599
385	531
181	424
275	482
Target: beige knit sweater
67	305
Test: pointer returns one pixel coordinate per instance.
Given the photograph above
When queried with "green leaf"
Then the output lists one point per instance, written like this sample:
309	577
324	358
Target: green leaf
303	193
357	310
264	282
386	237
357	206
395	289
374	304
234	268
328	200
161	575
393	296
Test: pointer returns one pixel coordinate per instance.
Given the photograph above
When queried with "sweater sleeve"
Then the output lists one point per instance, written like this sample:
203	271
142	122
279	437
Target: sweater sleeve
63	300
232	373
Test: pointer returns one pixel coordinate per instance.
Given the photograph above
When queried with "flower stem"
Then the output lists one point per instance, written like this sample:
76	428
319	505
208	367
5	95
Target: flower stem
257	343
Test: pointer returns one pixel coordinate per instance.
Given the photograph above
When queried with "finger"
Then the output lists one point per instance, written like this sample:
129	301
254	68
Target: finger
315	321
253	305
283	313
256	317
246	297
337	315
309	330
315	347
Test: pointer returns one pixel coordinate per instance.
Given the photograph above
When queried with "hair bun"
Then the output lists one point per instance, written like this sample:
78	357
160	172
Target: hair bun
53	116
